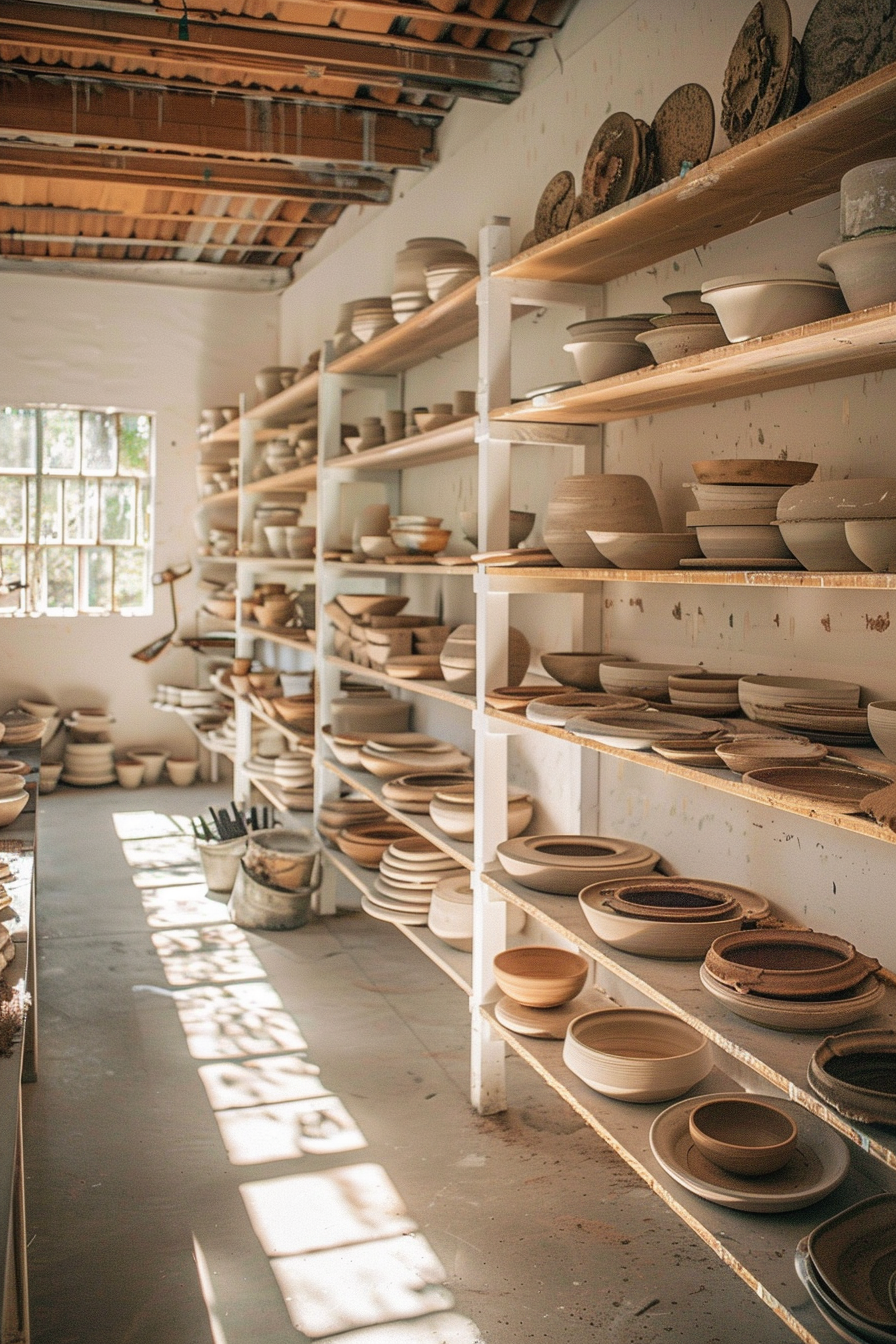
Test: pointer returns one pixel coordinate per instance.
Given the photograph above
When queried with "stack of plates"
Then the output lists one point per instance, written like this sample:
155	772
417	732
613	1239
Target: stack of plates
89	763
452	810
409	870
294	773
623	676
564	864
415	791
760	694
691	328
389	761
19	728
705	692
370	317
846	1265
637	729
656	929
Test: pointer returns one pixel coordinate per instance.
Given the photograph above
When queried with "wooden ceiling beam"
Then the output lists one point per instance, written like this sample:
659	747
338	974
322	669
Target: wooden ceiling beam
309	233
106	31
199	123
19	237
520	29
202	176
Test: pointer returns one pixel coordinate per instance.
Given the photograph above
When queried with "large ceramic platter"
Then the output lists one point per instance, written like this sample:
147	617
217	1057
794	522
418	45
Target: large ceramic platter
838	1317
546	1024
792	1015
832	790
819	1162
854	1255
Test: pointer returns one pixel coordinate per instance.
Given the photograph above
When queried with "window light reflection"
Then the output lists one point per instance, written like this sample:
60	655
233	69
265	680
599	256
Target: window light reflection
159	852
261	1082
142	825
219	954
224	1023
288	1129
293	1214
446	1327
175	907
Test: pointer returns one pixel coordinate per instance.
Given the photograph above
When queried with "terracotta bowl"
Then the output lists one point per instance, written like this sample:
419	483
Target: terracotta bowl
673	899
11	806
787	963
581	670
367	842
755	753
540	976
749	1137
856	1073
636	1054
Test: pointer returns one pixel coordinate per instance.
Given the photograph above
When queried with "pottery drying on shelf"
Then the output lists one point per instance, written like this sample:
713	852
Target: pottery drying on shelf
520	525
414	791
882	726
354	713
637	729
636	1054
757	70
743	754
645	550
704	689
452	811
599	503
513	698
624	676
830	790
856	1073
386	764
578	669
751	306
848	1270
873	542
458	658
819	1163
538	976
546	1024
753	471
557	710
366	842
564	864
649	934
747	1136
823	1014
763	691
787	963
864	269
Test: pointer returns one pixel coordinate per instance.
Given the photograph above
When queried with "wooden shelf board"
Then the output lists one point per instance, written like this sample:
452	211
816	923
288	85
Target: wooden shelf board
838	347
435	690
262	562
273	794
420	822
228	433
380	567
438	445
759	1248
441	326
560	579
798	161
274	636
458	966
216	559
721	780
211	746
778	1058
281	409
220	497
300	478
300	741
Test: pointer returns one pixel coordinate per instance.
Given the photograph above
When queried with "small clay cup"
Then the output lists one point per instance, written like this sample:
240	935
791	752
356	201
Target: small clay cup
748	1137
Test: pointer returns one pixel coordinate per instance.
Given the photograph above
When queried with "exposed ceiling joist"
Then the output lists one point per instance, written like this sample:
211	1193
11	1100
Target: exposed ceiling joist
189	274
200	123
299	231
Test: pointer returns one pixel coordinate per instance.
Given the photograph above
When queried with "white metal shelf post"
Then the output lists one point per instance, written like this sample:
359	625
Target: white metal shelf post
244	581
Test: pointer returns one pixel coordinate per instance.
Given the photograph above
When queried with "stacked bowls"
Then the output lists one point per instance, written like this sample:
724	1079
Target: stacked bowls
445	256
20	728
691	327
451	913
735	518
452	811
444	277
413	792
759	305
458	658
564	864
842	525
607	346
864	263
365	842
677	918
336	813
636	1054
650	681
391	759
418	534
294	773
371	317
409	869
791	979
89	763
803	703
846	1266
705	692
608	503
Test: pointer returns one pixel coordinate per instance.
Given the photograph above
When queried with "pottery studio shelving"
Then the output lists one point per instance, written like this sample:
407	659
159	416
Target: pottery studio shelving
798	161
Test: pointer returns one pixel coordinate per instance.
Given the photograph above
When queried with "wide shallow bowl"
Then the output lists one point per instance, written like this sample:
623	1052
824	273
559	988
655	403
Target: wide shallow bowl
882	726
564	864
856	1073
830	790
873	542
753	471
765	691
731	542
752	306
831	1308
414	791
394	764
521	524
623	676
636	1054
743	1135
821	1014
682	339
855	497
818	1164
366	842
609	502
821	546
421	540
646	550
371	604
865	269
854	1254
581	670
540	976
599	359
638	729
647	936
787	963
758	753
513	697
677	900
11	805
557	710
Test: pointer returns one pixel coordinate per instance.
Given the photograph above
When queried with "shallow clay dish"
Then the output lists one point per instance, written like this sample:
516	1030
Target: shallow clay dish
834	790
818	1164
646	550
366	842
546	1024
787	963
581	670
636	1054
638	729
511	698
676	899
540	976
742	756
414	791
12	804
743	1135
672	940
753	471
625	676
565	863
556	710
854	1254
799	1015
832	1308
682	131
371	604
856	1073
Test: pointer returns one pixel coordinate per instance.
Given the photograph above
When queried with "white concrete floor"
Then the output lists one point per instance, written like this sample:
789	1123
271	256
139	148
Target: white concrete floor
139	1229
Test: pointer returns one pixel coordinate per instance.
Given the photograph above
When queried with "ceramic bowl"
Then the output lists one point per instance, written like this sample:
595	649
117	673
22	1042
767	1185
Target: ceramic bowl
40	709
856	1073
873	542
787	963
152	762
366	842
11	805
581	670
685	940
857	497
622	676
540	976
371	604
636	1054
865	269
129	772
821	545
597	360
610	502
521	524
756	753
749	1137
369	714
49	775
743	542
455	817
753	471
182	770
11	783
823	1014
377	548
421	540
739	496
646	550
557	710
868	198
679	341
636	730
882	726
750	306
768	692
564	864
851	1257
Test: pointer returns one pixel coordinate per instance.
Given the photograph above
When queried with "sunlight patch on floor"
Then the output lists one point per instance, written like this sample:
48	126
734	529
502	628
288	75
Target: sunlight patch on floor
261	1082
179	907
288	1129
143	825
175	875
295	1214
446	1327
225	1022
217	954
159	852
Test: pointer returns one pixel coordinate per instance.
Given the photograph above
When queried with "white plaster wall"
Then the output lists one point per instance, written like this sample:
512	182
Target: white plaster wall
495	161
131	346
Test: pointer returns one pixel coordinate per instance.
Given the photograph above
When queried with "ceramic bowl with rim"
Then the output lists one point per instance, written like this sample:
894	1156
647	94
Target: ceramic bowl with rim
129	772
743	754
421	540
455	816
882	726
680	340
365	842
11	806
854	497
753	471
521	524
581	670
823	1014
557	710
856	1073
686	941
852	1253
182	770
864	268
742	541
612	500
564	864
623	676
540	976
750	306
744	495
873	542
749	1136
377	548
596	360
763	691
636	1054
787	963
638	729
820	545
646	550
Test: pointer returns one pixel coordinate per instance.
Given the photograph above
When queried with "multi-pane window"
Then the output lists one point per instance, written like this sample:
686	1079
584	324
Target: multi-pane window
75	511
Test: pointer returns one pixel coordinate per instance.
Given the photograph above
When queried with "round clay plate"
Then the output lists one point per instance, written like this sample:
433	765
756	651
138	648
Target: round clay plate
392	916
753	905
792	1015
854	1255
554	210
829	788
683	130
819	1162
756	75
548	1024
844	41
613	162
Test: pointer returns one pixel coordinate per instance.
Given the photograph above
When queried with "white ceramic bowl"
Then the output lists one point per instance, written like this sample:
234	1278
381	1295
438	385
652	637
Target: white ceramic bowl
11	806
743	541
882	726
821	545
636	1054
865	269
873	542
596	360
750	306
130	773
677	342
683	940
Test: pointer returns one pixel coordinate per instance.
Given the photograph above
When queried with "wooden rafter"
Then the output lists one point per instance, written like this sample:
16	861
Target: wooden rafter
299	231
520	29
262	48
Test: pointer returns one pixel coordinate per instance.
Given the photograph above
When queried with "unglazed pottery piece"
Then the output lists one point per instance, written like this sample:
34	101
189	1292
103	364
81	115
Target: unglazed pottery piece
865	269
756	74
612	162
801	1015
600	503
787	963
873	542
832	790
581	670
636	1054
682	131
852	1254
830	1307
856	1073
554	209
749	307
645	550
844	41
744	1135
753	471
557	710
564	864
540	976
673	940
